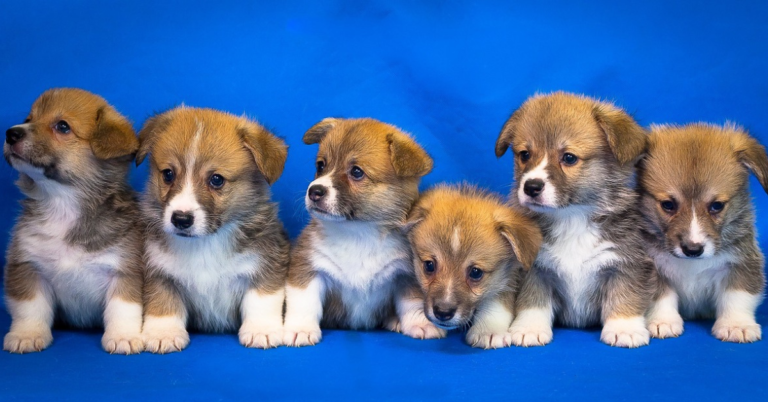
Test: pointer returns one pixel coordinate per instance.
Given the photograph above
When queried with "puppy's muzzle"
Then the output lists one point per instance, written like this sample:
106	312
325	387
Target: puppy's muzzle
182	220
443	312
316	192
692	250
533	187
14	135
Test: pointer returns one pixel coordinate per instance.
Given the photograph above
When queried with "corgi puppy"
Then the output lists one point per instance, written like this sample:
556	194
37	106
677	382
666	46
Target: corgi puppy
75	252
216	252
469	250
700	228
350	267
574	163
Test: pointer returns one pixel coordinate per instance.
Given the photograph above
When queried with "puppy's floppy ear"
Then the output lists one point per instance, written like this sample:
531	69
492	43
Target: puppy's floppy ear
269	152
419	211
408	158
114	136
626	138
507	134
752	155
522	233
148	135
316	133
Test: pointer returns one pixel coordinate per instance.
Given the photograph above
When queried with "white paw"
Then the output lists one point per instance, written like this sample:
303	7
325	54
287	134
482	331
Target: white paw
261	336
666	327
164	334
416	325
302	334
28	340
740	331
534	335
625	332
488	339
123	344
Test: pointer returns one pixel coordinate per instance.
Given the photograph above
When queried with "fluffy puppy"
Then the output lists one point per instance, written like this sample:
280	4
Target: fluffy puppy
216	252
700	228
574	163
75	252
468	252
351	266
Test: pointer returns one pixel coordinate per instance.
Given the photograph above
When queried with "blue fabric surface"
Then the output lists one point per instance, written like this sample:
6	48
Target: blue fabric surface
448	72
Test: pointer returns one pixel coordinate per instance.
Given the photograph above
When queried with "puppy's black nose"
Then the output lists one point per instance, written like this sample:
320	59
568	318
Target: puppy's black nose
443	313
13	135
533	187
182	220
693	249
316	192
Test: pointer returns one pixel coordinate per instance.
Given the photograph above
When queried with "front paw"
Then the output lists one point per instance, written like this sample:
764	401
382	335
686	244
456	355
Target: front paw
419	327
488	339
261	336
123	344
533	335
666	327
302	334
740	331
625	332
28	340
164	335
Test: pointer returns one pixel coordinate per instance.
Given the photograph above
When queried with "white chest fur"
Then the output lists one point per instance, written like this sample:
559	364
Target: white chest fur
576	255
362	262
78	278
213	277
697	282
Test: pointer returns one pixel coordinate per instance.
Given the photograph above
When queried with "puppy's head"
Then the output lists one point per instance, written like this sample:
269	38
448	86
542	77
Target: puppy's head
207	169
568	148
365	170
466	244
73	137
694	181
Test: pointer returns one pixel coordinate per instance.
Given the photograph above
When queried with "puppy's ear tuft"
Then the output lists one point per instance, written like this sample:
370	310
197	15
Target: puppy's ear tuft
114	136
148	135
627	140
507	134
408	158
522	233
752	155
316	133
420	210
269	152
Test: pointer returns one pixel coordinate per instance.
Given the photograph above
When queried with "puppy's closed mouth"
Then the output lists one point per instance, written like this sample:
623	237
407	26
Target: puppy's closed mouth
325	215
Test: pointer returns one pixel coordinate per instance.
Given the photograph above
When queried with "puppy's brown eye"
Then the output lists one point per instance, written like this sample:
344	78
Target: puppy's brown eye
524	156
216	181
669	206
475	273
62	127
320	167
168	176
429	267
716	207
569	159
356	173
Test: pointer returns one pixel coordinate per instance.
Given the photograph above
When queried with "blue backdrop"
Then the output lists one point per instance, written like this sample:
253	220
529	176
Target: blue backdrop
448	72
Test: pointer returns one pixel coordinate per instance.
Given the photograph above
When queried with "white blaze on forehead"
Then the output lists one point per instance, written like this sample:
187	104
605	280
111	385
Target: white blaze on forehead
331	196
455	240
547	196
185	200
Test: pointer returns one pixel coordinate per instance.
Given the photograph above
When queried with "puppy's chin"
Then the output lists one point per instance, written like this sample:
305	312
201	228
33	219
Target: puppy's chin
454	323
324	216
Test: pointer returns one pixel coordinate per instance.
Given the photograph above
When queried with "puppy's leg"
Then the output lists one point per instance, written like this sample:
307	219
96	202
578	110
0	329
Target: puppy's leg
123	314
303	312
490	327
664	320
31	304
262	311
736	316
535	312
409	305
165	316
625	300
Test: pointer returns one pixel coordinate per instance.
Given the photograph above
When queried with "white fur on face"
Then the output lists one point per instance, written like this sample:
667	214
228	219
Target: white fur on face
697	236
262	319
736	317
629	332
303	312
122	327
31	322
186	201
532	327
548	196
329	201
